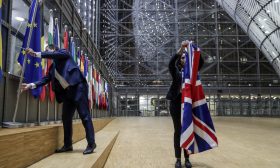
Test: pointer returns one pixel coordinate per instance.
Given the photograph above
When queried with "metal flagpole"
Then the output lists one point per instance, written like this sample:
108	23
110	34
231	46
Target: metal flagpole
39	113
48	110
14	124
55	111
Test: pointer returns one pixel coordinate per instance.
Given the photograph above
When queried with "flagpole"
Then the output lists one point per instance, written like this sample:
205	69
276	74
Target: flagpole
48	110
24	63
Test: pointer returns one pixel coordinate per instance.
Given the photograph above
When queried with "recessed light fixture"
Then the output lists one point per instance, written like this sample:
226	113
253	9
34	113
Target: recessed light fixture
19	19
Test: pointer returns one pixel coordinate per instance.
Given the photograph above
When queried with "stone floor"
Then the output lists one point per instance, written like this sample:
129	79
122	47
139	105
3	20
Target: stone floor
147	142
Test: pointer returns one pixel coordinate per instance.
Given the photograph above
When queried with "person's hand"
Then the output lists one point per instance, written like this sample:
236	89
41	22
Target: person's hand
185	43
30	51
25	86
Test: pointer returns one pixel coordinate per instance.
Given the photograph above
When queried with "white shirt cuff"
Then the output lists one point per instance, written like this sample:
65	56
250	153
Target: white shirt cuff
33	86
38	54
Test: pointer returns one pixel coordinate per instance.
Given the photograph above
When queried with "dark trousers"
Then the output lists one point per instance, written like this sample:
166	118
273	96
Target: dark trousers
68	110
175	111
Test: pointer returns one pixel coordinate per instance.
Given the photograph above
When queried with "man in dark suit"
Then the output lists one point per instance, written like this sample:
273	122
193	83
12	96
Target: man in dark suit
71	89
174	94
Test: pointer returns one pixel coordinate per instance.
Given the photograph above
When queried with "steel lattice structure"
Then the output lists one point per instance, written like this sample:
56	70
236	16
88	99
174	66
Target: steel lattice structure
138	37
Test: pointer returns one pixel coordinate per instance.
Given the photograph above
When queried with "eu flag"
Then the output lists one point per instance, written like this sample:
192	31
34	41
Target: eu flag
33	68
86	67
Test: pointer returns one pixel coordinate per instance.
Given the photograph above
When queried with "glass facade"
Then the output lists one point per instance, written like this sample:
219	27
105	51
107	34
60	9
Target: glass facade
144	105
248	105
259	19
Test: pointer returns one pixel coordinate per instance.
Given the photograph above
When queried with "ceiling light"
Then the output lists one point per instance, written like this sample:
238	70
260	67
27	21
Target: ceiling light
19	19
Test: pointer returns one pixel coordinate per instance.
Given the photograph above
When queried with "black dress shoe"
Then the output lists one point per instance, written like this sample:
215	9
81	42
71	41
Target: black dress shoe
178	164
188	164
89	149
64	149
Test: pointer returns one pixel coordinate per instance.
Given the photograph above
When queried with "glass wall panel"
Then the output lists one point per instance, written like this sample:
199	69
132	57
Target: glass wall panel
19	15
19	22
132	105
143	104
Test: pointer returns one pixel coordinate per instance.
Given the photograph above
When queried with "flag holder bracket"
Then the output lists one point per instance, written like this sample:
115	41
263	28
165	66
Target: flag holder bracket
12	125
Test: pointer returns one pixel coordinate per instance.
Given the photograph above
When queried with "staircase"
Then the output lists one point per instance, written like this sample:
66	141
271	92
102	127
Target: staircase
34	147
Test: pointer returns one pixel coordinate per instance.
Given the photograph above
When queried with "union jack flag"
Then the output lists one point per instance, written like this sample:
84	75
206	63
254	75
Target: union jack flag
198	132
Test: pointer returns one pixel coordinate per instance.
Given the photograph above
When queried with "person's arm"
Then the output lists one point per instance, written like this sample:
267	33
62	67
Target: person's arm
181	50
172	62
45	80
27	86
201	62
60	54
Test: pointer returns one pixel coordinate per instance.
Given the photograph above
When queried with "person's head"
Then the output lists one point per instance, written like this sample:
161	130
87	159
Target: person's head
52	48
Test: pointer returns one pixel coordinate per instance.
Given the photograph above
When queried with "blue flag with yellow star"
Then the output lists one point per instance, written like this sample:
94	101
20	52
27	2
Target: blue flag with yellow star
33	68
86	67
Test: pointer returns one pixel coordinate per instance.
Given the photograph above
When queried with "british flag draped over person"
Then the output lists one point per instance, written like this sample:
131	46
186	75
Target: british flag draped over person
198	132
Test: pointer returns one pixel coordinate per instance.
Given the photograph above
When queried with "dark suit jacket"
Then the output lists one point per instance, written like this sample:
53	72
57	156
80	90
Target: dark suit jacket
68	69
176	74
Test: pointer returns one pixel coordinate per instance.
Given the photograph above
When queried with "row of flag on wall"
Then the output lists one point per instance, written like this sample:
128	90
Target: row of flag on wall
36	68
98	90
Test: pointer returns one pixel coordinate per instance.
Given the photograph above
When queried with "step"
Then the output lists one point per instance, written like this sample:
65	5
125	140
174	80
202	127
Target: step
21	147
105	140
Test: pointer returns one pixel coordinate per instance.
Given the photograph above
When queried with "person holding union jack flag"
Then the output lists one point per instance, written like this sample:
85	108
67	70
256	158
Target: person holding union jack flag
174	94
